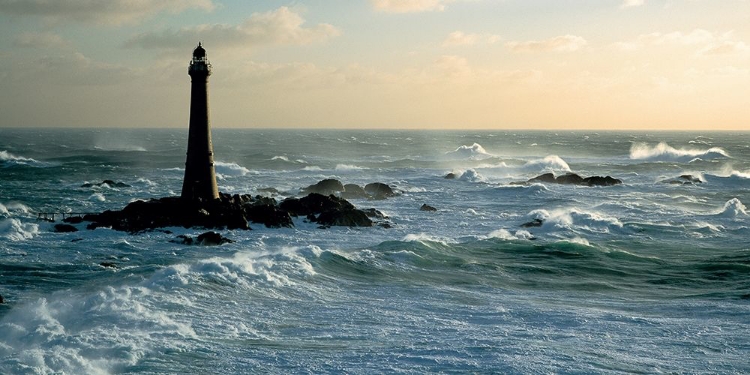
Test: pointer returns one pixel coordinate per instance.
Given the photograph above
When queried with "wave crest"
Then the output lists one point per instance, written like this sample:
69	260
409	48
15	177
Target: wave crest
230	169
550	163
733	208
8	159
473	152
15	230
665	152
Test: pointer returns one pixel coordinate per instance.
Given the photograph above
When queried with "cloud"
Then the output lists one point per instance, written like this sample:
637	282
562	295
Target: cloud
110	12
459	38
40	40
703	42
563	43
280	26
409	6
631	3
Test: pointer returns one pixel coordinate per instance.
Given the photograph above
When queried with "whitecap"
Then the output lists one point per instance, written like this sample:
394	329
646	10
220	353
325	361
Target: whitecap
230	169
97	197
473	152
15	230
471	176
348	167
550	163
733	208
8	159
312	168
283	158
574	218
7	208
665	152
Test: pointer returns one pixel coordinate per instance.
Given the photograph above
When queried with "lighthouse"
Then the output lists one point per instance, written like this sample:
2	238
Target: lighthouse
200	176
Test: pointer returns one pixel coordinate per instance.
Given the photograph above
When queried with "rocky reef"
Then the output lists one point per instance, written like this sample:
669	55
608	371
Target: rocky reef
232	212
574	179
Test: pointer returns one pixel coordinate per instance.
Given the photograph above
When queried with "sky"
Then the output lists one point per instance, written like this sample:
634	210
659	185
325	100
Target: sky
394	64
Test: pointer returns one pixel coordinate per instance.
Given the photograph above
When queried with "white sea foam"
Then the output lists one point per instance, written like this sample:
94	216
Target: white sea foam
230	169
574	218
97	197
473	152
7	208
312	168
472	176
505	234
283	158
348	168
732	209
665	152
423	237
550	163
15	230
8	159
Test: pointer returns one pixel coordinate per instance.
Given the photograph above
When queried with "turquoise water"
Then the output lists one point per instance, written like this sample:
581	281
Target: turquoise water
646	276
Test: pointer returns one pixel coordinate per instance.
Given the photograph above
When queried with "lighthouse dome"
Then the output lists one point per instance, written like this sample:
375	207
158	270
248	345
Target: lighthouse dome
199	52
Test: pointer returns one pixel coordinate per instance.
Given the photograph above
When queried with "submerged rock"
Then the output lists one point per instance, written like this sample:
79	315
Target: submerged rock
451	176
574	179
1	299
426	207
533	223
108	264
73	220
212	239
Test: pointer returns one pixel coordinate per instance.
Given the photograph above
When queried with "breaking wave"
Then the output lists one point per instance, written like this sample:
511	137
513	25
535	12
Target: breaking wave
665	152
15	230
7	159
550	163
732	209
230	169
473	152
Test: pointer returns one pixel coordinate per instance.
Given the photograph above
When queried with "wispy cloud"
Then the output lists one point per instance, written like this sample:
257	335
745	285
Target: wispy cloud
563	43
110	12
40	40
409	6
703	42
459	38
280	26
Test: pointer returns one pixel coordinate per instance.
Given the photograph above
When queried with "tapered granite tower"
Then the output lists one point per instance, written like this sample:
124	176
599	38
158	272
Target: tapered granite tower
200	176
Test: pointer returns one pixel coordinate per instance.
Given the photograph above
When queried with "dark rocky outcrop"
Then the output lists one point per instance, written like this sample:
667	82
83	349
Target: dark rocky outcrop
686	179
73	220
205	239
65	228
230	212
426	207
212	239
354	191
574	179
451	176
325	187
1	300
109	183
379	190
108	264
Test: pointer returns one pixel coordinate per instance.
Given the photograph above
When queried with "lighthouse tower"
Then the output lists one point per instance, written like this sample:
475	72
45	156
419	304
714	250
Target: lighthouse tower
200	176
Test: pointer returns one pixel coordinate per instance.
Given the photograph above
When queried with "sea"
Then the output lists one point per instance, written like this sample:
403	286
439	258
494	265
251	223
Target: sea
650	276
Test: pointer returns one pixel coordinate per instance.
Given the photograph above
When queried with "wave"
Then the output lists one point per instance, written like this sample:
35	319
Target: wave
230	169
504	234
473	152
550	163
125	148
733	208
348	168
471	176
15	230
6	209
574	218
665	152
8	160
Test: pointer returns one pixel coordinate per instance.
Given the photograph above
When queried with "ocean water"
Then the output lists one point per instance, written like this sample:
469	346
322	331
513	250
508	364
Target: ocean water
644	277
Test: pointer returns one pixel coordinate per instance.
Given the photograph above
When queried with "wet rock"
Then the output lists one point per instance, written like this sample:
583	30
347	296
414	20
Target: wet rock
686	179
354	191
108	264
344	218
375	214
65	228
314	204
426	207
268	214
574	179
271	191
2	300
451	176
73	220
109	183
183	240
379	190
533	223
325	187
212	239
